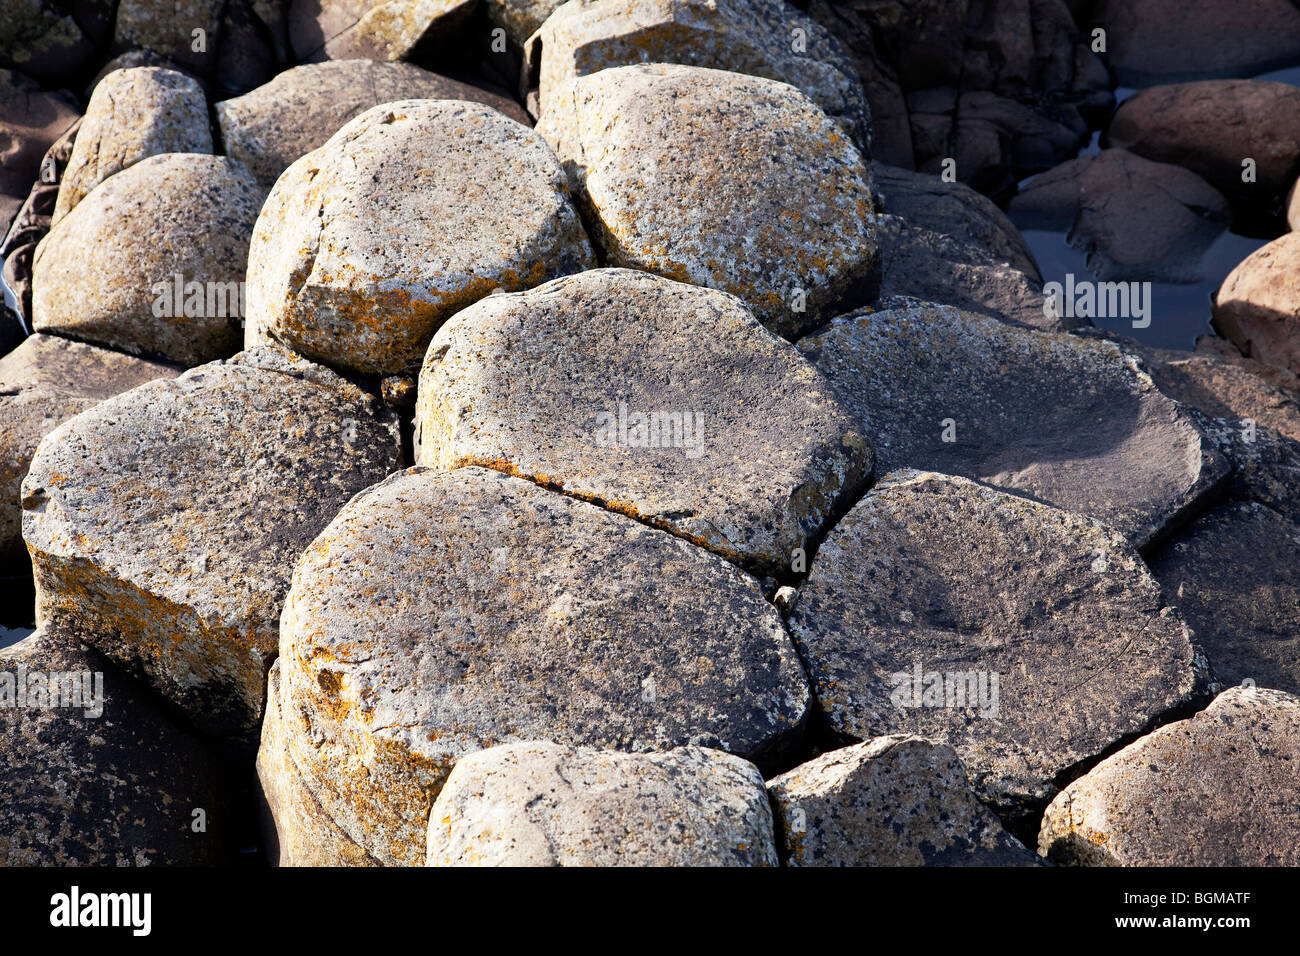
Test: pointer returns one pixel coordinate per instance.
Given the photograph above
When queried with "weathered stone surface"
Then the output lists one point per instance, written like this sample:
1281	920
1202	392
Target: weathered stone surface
955	210
133	114
899	800
408	214
1212	127
1235	576
270	127
520	18
544	804
1219	387
42	40
1133	219
1220	789
1258	306
30	121
165	522
1026	637
167	27
109	781
668	161
1164	41
370	29
305	835
1265	465
106	272
745	36
442	613
1062	419
43	383
921	263
666	402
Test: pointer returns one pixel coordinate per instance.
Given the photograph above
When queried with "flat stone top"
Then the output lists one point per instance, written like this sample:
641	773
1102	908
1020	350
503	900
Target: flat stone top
1068	420
205	488
544	384
61	365
443	612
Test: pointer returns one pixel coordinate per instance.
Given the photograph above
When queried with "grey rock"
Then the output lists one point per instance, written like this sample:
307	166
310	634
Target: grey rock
758	37
1220	789
899	800
1235	576
167	27
103	779
520	18
164	523
408	214
442	613
43	383
666	160
268	128
667	402
41	39
1069	421
1028	638
1265	466
133	114
371	29
544	804
106	273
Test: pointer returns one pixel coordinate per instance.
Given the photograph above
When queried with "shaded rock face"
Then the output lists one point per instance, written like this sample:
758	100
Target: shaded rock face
757	37
1133	219
1027	638
520	18
1265	465
107	273
667	403
103	779
370	29
955	210
543	804
1235	575
1212	127
565	622
1258	306
664	159
40	38
30	121
270	127
1165	41
43	383
1002	87
167	27
1219	789
1061	419
164	523
899	800
133	114
408	214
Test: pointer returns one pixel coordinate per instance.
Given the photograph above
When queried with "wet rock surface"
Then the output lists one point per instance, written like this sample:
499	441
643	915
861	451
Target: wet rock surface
1027	638
668	403
164	524
566	623
542	804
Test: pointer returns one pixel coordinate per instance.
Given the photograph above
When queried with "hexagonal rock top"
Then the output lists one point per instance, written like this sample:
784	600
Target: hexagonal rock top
133	114
106	272
899	800
1220	789
745	36
663	401
1026	637
164	523
408	214
270	127
44	382
722	180
1234	573
442	613
544	804
1062	419
94	774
